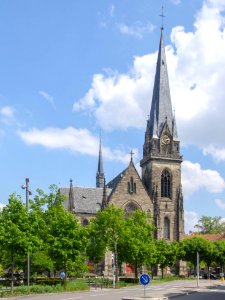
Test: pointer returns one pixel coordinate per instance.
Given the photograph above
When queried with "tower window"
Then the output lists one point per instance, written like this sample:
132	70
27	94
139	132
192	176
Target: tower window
166	229
131	186
166	184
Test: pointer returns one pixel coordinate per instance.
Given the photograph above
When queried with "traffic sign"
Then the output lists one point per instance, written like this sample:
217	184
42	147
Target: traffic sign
144	279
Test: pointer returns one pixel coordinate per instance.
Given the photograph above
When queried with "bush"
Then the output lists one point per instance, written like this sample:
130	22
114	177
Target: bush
129	280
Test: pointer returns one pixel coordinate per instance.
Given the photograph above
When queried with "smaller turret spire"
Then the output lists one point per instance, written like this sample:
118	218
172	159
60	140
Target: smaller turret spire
100	173
71	206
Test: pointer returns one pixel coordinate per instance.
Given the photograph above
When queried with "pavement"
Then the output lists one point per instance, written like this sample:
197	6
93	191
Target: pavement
158	291
204	285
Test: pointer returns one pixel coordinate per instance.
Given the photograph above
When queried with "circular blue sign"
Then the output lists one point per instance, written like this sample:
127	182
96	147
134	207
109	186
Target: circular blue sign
144	279
62	275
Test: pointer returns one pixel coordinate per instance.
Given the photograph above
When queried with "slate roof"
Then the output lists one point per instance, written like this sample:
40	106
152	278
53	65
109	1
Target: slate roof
113	183
87	200
161	108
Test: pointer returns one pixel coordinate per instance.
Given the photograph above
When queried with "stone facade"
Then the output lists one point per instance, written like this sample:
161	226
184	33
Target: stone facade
128	192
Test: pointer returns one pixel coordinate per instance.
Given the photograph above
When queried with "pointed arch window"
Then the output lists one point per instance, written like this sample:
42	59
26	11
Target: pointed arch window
130	207
85	222
131	186
166	184
166	229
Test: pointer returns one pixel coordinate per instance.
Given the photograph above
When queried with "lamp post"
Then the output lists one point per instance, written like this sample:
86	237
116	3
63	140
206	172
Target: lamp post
28	192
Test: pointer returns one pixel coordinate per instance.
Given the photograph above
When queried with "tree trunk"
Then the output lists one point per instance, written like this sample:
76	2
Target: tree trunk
162	272
12	277
136	268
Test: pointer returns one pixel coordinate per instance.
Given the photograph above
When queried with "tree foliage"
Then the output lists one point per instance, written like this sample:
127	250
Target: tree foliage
211	225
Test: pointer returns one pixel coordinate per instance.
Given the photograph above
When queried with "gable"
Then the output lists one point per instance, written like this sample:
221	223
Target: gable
129	191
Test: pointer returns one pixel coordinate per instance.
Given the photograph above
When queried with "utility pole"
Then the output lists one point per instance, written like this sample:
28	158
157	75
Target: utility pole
197	269
28	193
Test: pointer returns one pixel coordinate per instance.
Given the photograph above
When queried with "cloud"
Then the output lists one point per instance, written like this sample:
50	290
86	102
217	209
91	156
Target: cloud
137	30
176	2
7	115
220	204
1	206
47	97
112	10
195	178
196	68
75	140
216	153
190	220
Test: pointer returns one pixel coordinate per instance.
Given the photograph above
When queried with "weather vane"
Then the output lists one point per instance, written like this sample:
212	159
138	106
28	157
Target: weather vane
162	16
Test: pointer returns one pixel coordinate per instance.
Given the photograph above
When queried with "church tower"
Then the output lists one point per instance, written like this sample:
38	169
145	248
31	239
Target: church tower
161	163
100	177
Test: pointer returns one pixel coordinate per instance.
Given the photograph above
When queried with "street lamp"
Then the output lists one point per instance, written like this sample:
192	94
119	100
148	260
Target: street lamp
28	193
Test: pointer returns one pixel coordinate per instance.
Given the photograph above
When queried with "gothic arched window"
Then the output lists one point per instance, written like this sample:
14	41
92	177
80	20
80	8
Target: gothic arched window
166	184
131	186
166	229
85	222
131	206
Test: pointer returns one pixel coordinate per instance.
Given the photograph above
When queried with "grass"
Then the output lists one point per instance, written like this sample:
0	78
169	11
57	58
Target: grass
77	285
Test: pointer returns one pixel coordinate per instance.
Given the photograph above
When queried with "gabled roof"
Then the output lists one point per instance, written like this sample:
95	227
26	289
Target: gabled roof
86	200
113	183
161	108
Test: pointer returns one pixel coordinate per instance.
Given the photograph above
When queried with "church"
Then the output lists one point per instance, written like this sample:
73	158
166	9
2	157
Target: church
159	189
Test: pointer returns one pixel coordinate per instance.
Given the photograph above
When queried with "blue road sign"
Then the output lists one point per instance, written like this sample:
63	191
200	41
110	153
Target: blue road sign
144	279
62	275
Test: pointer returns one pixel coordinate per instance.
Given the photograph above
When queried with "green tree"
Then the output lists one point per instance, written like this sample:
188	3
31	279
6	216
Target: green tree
16	240
65	238
107	230
189	248
209	254
137	245
167	254
210	225
220	253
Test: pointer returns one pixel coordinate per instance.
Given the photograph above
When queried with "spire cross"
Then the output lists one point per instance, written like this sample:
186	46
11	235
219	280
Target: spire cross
162	16
131	155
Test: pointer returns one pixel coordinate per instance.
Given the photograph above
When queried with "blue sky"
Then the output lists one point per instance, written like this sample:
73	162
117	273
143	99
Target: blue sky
70	69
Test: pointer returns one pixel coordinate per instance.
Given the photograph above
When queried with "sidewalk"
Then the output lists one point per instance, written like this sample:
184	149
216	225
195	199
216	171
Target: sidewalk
163	295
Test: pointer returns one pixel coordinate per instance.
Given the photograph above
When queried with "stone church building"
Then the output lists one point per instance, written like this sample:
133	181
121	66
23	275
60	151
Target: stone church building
159	189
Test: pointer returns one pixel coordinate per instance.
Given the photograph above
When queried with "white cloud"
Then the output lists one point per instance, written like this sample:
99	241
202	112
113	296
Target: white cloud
196	64
137	30
176	2
195	178
47	97
220	204
7	115
1	206
7	112
216	153
190	220
112	10
72	139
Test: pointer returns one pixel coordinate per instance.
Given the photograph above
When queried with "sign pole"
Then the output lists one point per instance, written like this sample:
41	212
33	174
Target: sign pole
145	280
197	269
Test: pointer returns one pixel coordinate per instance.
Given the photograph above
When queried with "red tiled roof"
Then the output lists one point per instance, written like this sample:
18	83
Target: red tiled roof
207	236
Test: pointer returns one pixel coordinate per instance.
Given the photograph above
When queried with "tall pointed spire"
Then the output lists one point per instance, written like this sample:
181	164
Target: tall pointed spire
71	206
100	173
161	108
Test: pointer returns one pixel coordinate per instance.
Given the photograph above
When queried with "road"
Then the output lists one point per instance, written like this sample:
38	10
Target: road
169	289
203	296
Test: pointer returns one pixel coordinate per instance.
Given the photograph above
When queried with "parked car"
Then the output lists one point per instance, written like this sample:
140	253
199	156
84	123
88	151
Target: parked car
212	275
